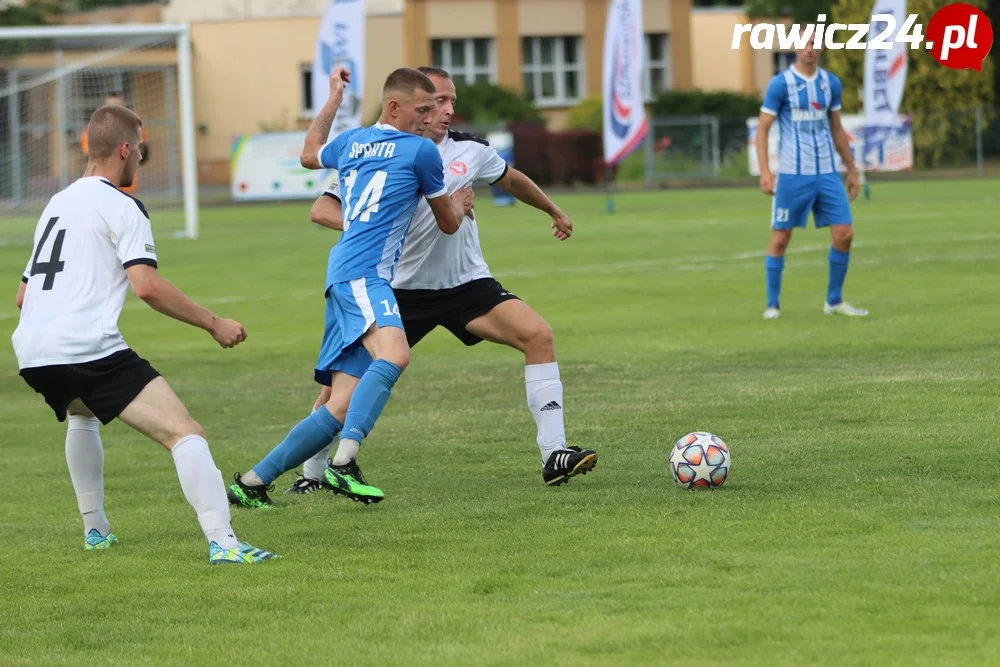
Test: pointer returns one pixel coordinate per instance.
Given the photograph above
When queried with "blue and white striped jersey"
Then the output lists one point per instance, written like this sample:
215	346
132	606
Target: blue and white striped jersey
803	105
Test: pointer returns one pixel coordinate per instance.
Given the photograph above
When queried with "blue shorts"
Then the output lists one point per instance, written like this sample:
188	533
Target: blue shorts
796	195
351	309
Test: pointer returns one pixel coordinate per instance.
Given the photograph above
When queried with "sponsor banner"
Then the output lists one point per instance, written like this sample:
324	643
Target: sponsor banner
266	166
625	124
887	147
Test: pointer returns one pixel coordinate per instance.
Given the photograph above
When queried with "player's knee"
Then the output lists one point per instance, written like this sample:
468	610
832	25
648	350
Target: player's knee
188	428
541	338
843	235
398	356
780	242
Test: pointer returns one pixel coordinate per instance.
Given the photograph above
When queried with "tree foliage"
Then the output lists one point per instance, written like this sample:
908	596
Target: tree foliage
587	115
940	101
802	11
34	12
483	103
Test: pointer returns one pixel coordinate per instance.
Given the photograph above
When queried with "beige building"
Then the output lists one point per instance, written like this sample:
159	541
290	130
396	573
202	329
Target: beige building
717	66
252	61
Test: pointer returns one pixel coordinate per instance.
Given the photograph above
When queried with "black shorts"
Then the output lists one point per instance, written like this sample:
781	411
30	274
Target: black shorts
423	310
106	386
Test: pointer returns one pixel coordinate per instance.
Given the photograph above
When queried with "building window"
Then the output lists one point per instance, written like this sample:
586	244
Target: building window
468	61
656	75
782	60
553	70
305	85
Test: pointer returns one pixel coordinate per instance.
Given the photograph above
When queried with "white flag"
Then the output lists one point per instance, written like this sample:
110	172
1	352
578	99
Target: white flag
625	123
885	74
341	41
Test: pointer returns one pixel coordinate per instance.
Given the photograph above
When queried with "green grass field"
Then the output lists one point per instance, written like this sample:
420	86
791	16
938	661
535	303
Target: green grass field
859	525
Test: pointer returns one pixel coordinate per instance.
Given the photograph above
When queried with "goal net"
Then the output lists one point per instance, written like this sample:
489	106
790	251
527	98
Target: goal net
53	78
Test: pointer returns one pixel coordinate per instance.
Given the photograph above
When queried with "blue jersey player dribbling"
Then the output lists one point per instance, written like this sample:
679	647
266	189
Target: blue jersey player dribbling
383	170
806	101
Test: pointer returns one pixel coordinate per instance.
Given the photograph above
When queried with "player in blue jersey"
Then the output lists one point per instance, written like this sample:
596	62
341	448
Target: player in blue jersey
384	171
806	100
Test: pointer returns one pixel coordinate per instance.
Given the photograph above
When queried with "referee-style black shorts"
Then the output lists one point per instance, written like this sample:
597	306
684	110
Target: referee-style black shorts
105	386
423	310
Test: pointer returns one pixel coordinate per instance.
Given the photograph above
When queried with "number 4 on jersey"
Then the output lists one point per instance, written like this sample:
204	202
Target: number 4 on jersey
55	264
369	199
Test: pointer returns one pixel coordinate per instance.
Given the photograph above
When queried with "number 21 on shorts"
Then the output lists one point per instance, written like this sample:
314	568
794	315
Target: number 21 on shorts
781	214
388	312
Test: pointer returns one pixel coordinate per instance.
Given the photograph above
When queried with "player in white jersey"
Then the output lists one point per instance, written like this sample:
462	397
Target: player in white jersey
806	101
91	243
444	280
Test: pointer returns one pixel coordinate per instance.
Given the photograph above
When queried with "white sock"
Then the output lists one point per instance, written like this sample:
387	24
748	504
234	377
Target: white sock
314	468
545	399
202	484
85	459
347	451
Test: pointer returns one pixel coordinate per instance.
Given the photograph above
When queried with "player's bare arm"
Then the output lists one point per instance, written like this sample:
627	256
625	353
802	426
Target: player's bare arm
444	214
843	145
164	297
319	129
19	299
764	123
328	212
516	183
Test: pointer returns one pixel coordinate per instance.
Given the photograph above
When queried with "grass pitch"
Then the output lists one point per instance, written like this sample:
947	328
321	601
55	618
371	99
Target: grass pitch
859	524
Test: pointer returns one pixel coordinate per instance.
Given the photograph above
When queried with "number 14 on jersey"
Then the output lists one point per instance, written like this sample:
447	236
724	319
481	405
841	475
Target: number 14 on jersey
368	201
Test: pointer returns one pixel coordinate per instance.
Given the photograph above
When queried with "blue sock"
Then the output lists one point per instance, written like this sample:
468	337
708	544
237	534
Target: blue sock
774	266
838	271
308	437
370	397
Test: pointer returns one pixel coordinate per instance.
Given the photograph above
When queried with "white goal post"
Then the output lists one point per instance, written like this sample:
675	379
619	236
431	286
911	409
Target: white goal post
51	77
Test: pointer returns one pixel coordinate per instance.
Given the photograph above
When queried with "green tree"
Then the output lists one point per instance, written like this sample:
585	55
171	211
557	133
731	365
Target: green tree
587	115
940	101
484	103
33	12
802	11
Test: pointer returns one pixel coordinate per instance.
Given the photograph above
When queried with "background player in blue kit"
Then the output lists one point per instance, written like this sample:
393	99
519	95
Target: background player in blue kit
384	171
806	100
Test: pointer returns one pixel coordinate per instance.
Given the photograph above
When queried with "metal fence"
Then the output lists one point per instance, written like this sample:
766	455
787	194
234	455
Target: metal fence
717	148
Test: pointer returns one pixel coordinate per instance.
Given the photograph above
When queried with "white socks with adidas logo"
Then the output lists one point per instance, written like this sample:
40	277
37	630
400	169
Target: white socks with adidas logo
545	399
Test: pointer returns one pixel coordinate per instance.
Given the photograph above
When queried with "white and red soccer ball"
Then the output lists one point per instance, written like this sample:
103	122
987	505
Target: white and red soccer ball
700	460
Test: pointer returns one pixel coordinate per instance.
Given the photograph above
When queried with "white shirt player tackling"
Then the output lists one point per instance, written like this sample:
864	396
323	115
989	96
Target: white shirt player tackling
91	233
430	259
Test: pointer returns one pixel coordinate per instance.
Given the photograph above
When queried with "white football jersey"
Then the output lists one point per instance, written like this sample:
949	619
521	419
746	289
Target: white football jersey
87	236
432	259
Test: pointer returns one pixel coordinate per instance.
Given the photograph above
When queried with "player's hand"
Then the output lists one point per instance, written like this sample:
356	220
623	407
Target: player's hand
468	198
767	183
852	185
464	201
562	226
339	78
323	398
228	333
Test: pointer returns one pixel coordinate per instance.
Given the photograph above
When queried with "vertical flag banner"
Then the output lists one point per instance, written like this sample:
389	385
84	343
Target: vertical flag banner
885	81
625	124
341	41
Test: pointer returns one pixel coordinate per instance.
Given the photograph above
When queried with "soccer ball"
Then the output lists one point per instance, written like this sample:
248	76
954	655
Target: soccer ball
700	460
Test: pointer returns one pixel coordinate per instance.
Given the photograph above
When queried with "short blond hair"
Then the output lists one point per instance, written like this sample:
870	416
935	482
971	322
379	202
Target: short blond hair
110	127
